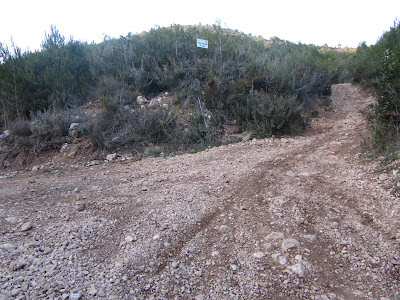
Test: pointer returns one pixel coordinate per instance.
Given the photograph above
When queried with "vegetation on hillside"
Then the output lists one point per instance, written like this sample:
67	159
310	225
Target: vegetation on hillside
377	67
258	85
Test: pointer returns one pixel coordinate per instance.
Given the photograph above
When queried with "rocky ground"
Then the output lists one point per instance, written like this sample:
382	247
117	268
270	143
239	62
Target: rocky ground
293	218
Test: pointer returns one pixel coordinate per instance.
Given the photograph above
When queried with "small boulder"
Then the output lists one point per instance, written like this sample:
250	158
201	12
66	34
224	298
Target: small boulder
18	265
92	291
258	255
24	286
289	244
298	269
154	103
26	226
36	168
81	207
310	237
224	228
383	177
5	134
76	296
275	236
141	100
130	238
111	157
74	126
64	148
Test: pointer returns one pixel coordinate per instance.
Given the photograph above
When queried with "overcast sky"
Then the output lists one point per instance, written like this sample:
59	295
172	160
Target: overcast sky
307	21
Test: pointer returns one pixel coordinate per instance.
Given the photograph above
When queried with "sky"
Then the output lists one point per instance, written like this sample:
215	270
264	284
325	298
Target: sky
307	21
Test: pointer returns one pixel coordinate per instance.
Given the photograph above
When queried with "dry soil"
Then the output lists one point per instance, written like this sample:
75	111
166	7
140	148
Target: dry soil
293	218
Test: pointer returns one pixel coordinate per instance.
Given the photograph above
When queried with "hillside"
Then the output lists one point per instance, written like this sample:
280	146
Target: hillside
262	87
293	218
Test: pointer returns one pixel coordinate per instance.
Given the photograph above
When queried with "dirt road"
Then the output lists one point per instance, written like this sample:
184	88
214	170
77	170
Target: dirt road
291	218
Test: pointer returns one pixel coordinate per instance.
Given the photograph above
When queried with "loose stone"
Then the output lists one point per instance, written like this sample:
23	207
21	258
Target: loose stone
26	226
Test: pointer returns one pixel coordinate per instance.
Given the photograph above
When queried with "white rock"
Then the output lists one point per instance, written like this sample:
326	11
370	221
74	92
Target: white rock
395	172
267	246
74	126
358	293
234	267
298	257
76	296
19	264
156	237
258	255
141	100
36	168
12	220
224	228
5	134
26	226
24	286
275	236
64	147
130	238
298	269
155	102
92	291
111	157
282	260
289	244
7	247
310	237
276	256
383	177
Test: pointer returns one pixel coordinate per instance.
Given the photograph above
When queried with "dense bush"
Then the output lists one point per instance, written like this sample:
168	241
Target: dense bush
45	130
378	67
281	76
111	129
56	77
267	114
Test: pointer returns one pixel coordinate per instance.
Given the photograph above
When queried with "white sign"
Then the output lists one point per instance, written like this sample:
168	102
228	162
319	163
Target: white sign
202	43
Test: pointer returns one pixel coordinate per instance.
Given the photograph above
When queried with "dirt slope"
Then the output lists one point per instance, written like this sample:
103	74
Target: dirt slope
296	218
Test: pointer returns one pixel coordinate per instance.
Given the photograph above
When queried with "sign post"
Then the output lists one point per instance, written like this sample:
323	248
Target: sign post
202	43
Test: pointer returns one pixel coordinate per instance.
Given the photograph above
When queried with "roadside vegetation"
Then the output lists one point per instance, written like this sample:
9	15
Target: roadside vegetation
377	68
264	87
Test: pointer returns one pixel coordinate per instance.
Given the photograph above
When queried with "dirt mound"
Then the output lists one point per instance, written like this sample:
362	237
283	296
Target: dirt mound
291	218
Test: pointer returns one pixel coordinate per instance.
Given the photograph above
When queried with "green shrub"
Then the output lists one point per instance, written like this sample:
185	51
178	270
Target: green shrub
197	134
281	77
109	105
378	67
46	130
140	128
266	115
156	127
49	129
21	128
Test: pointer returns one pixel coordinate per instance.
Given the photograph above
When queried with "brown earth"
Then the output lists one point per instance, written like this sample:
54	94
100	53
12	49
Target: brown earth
292	218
